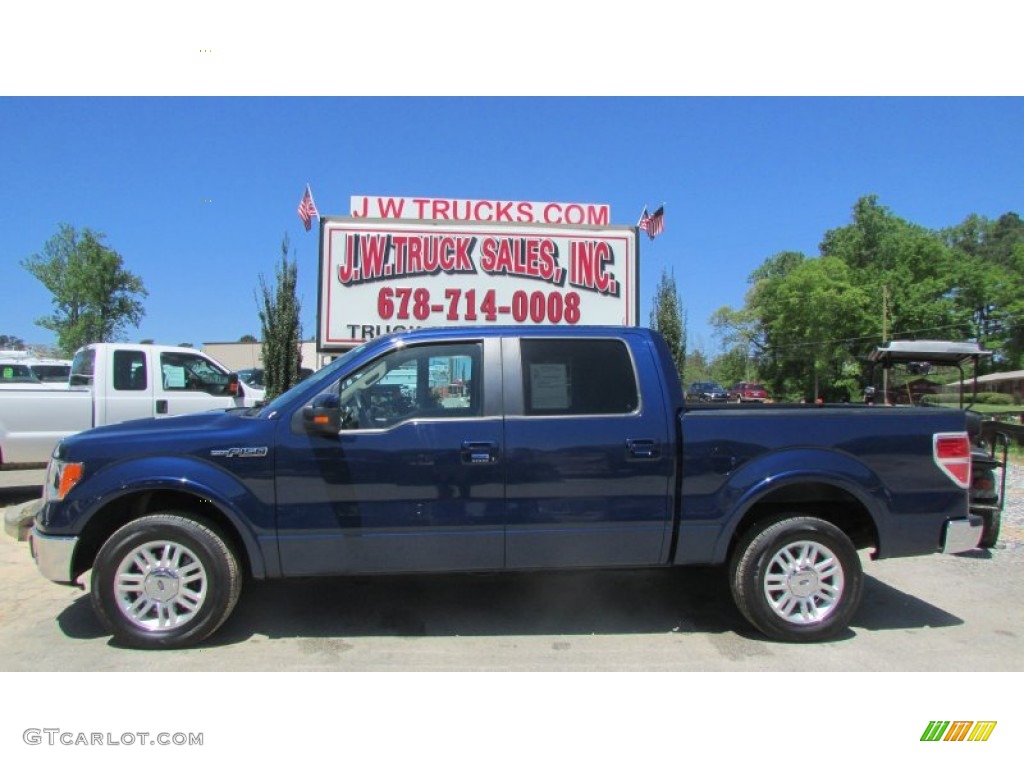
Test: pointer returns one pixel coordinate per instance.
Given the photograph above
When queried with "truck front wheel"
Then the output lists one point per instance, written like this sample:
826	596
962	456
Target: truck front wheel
164	581
797	579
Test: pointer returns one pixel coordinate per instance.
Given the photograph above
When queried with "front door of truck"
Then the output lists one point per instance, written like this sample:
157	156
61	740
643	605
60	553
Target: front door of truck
187	382
414	481
589	456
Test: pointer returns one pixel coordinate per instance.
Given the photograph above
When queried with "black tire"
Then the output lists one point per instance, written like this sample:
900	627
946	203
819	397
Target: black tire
990	532
164	581
797	579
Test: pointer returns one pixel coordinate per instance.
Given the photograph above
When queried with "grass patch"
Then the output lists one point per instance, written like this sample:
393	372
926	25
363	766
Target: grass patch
1016	454
1012	410
1009	409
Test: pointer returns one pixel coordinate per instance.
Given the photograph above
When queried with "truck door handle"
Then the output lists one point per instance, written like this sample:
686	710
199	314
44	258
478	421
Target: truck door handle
161	406
643	450
479	452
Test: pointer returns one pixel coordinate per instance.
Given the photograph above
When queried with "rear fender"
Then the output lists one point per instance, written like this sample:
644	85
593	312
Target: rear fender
760	478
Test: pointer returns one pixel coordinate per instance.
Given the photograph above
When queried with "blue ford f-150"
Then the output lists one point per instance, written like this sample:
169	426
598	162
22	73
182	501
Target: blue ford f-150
485	449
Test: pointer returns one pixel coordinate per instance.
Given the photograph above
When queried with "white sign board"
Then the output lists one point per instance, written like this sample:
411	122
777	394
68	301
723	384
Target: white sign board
382	275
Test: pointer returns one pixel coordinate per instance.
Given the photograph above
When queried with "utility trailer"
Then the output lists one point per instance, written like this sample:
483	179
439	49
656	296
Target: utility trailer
989	439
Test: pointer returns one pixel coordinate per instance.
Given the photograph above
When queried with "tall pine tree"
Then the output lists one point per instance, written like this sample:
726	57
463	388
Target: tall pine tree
281	327
668	319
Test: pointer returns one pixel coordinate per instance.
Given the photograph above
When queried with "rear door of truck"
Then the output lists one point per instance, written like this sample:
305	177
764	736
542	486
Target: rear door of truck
589	454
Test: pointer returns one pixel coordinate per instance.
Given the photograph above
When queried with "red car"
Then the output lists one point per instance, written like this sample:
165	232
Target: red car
748	392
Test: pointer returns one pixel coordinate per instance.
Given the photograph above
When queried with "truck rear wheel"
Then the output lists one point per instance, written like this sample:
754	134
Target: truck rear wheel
797	579
164	581
990	532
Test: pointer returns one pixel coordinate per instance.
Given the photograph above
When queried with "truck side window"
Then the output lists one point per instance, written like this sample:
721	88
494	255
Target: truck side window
183	371
578	377
129	370
426	382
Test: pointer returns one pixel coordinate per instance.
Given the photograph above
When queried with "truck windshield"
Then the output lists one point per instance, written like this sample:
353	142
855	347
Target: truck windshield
306	388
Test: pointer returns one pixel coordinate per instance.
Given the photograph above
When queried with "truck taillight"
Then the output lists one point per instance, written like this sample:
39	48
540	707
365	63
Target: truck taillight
952	453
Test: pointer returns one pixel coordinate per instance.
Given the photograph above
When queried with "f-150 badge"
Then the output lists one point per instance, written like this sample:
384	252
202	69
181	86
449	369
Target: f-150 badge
240	453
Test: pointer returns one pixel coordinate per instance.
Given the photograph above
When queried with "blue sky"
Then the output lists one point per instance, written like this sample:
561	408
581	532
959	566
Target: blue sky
742	179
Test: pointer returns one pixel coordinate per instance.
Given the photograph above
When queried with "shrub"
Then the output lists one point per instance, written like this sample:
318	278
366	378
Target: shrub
983	398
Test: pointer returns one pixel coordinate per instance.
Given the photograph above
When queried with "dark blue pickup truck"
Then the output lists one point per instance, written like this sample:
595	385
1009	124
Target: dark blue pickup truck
486	449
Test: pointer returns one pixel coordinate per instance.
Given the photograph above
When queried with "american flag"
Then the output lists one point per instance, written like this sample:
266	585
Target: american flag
656	222
645	219
307	208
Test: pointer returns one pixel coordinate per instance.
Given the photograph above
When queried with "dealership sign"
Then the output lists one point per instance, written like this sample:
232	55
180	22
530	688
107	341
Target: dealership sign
383	274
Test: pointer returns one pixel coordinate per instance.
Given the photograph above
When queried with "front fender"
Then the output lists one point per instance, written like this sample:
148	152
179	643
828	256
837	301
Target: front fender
248	508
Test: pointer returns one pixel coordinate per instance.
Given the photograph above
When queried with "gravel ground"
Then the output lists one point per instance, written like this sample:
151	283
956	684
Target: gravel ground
1011	533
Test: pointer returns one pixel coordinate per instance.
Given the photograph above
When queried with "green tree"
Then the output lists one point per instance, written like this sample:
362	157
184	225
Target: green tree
745	332
248	339
667	317
808	322
94	297
904	268
813	318
989	288
697	367
281	326
11	342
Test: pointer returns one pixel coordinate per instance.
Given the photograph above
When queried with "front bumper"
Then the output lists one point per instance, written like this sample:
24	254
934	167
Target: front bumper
53	555
962	535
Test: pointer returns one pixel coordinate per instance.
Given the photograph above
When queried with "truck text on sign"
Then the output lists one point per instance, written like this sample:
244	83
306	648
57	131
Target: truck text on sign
378	276
496	211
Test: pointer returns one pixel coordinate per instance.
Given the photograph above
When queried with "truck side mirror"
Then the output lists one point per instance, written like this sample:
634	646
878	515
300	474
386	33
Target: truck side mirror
323	415
233	388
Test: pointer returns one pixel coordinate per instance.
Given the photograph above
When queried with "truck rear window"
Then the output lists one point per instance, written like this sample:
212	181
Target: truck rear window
578	377
130	370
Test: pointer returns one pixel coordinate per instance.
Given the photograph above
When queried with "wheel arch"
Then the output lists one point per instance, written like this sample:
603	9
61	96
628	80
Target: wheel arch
819	498
189	502
831	486
126	490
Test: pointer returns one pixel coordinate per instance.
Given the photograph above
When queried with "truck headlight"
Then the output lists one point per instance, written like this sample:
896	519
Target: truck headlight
61	477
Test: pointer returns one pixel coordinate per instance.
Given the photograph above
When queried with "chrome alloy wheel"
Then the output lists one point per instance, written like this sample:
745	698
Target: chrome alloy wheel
804	582
160	585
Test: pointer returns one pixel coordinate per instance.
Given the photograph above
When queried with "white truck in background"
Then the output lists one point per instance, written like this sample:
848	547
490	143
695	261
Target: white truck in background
19	368
110	383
